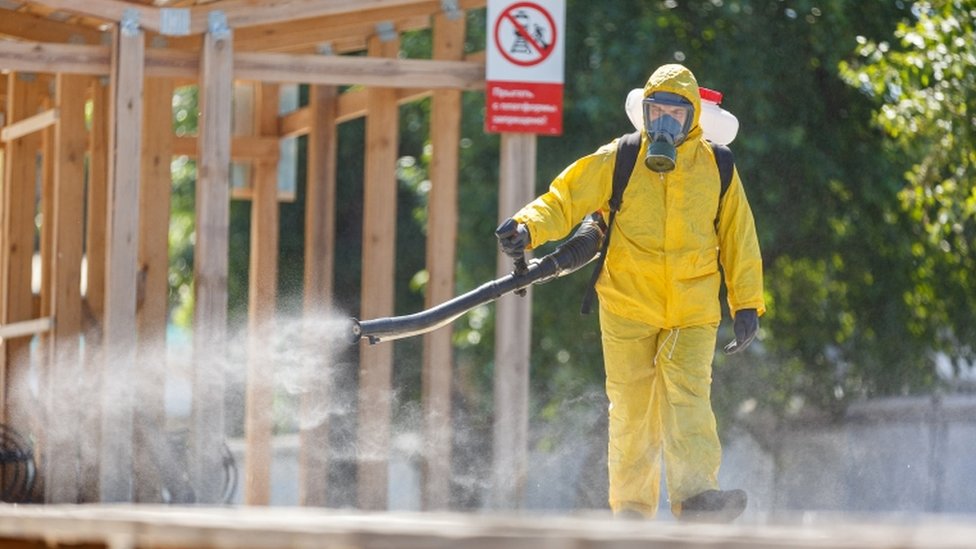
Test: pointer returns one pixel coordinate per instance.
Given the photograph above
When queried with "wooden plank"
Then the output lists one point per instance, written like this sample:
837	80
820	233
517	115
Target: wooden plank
54	58
30	125
116	526
320	219
369	71
377	300
351	105
513	321
121	257
95	245
71	142
97	202
245	13
245	148
152	305
239	13
262	298
442	221
315	31
263	67
210	266
26	327
27	26
108	10
24	97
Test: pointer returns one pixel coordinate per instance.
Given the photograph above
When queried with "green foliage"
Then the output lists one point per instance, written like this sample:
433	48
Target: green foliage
924	88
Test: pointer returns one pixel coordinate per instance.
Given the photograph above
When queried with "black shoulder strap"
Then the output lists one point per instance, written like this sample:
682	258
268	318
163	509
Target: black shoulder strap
623	165
726	164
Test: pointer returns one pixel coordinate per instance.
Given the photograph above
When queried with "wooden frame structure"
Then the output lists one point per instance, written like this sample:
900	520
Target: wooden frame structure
102	192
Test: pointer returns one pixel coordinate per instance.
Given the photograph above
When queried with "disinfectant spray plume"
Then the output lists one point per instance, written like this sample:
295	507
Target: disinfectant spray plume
576	252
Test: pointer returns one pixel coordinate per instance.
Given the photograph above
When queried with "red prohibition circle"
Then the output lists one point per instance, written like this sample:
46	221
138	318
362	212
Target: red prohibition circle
507	16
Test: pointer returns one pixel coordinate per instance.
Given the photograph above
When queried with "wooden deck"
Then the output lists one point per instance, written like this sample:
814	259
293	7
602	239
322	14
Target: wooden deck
131	526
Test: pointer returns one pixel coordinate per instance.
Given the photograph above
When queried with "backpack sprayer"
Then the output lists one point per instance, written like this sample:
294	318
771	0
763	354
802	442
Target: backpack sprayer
570	256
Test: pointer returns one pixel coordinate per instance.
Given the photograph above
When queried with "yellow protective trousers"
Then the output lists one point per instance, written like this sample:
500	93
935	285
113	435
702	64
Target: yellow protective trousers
659	386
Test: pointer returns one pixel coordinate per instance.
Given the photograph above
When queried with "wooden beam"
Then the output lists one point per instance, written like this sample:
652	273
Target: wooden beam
70	142
377	300
25	94
320	219
368	71
513	322
351	105
54	58
442	221
245	13
261	67
30	125
95	248
211	264
152	305
239	13
122	254
27	26
245	148
107	10
262	298
26	327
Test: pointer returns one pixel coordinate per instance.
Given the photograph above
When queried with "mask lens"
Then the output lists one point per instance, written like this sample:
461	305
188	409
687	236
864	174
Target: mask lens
667	116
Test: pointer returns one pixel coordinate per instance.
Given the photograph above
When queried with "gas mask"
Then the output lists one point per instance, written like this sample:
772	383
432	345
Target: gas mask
667	121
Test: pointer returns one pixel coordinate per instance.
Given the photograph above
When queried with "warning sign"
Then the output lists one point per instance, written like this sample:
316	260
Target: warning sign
525	60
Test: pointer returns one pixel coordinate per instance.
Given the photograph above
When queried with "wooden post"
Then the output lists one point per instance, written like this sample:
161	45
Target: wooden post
442	218
263	282
122	249
96	225
63	402
24	93
210	259
320	196
513	322
154	204
379	254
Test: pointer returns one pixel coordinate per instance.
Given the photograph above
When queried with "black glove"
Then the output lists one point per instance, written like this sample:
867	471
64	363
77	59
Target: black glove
746	325
513	237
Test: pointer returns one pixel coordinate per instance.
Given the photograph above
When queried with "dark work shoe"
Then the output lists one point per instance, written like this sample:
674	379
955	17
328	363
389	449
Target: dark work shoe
714	506
629	514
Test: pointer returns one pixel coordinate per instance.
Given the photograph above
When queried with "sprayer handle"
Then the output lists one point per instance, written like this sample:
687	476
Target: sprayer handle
521	267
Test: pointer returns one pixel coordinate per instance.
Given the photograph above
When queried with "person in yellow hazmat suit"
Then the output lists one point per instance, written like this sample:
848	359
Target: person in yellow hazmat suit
659	298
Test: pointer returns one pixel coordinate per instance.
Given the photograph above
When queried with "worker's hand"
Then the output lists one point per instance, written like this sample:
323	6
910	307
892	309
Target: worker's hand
746	325
513	237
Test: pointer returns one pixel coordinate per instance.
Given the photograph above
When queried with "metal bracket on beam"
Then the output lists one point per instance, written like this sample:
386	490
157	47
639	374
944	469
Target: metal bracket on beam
325	48
130	22
217	25
386	31
174	21
451	9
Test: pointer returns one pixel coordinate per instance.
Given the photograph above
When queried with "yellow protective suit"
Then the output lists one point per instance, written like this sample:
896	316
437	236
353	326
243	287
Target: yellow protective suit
659	307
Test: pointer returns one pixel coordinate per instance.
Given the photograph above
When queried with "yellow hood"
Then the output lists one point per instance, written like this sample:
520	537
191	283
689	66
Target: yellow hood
677	79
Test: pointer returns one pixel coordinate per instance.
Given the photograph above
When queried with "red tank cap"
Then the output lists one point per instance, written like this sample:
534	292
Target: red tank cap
709	94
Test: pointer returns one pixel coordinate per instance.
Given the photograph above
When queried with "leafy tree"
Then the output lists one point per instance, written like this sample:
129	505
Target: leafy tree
924	86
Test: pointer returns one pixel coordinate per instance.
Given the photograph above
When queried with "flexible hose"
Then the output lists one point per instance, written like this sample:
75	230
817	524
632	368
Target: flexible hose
573	254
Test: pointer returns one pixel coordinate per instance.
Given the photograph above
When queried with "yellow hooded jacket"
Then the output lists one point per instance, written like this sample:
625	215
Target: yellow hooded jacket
662	267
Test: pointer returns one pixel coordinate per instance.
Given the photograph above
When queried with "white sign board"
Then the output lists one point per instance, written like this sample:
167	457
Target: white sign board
524	66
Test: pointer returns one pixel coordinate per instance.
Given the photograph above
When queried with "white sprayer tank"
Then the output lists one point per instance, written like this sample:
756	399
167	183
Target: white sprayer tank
718	125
